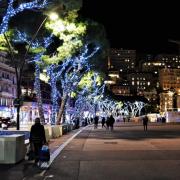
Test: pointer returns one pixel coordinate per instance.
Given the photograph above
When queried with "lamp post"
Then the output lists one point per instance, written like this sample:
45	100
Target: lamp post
19	68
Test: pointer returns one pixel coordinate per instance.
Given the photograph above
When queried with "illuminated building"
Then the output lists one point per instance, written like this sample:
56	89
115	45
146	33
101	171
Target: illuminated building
112	78
122	60
121	90
7	89
170	83
161	61
140	81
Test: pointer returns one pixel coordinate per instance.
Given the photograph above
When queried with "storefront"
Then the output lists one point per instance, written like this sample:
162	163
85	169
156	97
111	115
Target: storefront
7	112
29	111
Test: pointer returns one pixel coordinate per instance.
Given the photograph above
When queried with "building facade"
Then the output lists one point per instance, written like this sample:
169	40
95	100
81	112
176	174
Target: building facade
170	83
7	90
122	60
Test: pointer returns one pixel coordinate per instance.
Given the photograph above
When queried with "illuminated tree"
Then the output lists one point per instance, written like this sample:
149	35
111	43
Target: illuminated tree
140	105
136	107
68	11
70	61
68	74
7	43
92	88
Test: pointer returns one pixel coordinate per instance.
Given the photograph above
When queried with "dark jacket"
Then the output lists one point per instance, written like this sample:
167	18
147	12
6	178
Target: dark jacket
145	120
37	134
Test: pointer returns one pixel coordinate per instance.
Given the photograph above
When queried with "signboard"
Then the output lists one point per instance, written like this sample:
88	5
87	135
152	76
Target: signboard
17	102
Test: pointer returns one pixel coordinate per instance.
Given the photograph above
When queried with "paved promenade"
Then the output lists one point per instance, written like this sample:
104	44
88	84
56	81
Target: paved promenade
124	154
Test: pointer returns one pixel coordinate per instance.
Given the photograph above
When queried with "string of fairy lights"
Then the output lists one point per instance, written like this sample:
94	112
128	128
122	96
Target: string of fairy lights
11	11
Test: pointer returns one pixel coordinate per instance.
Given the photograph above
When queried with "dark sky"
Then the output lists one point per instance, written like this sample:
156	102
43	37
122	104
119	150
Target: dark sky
142	25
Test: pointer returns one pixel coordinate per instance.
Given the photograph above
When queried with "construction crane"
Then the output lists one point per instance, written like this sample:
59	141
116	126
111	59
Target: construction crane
175	42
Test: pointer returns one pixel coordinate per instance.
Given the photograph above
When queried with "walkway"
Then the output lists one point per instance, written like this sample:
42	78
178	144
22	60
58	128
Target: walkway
124	154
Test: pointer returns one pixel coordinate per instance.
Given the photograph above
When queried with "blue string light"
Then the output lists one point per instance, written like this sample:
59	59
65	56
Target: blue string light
69	75
11	11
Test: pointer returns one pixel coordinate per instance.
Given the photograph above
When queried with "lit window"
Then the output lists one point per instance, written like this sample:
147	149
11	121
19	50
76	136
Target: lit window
148	83
133	83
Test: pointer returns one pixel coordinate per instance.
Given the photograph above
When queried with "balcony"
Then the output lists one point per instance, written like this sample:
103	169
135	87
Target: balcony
6	80
6	94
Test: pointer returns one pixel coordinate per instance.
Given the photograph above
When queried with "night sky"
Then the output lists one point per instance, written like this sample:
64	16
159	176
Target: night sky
142	25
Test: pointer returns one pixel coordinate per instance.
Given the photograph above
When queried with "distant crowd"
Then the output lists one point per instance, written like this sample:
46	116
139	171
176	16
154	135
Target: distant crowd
107	123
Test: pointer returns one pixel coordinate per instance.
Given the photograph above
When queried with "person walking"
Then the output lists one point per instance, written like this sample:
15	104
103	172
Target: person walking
37	138
145	122
107	123
103	122
111	122
96	119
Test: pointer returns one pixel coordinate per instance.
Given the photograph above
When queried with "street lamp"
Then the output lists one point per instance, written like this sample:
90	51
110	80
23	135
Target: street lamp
53	16
19	69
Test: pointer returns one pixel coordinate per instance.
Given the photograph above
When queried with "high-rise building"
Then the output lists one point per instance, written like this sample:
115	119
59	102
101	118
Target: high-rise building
161	61
141	81
122	60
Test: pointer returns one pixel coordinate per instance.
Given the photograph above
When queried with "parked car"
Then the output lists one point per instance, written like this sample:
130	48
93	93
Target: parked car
5	123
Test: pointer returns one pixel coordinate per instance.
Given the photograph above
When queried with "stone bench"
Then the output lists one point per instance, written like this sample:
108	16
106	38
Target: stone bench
12	148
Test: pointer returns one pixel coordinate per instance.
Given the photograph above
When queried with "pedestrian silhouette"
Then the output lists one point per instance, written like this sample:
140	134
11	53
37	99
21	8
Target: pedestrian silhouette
145	122
111	122
37	138
103	122
107	122
96	122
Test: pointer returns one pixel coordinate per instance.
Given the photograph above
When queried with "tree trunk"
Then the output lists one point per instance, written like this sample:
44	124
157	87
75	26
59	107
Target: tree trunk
40	109
37	85
18	106
61	110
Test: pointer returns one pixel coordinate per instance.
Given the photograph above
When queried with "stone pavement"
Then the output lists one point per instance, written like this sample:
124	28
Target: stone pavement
124	154
26	169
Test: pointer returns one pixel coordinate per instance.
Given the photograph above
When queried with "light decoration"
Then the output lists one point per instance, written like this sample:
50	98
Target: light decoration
140	105
135	107
108	106
11	11
69	73
37	59
54	92
22	37
87	99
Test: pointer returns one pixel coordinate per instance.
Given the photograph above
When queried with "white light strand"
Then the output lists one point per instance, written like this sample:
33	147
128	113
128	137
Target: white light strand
11	12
